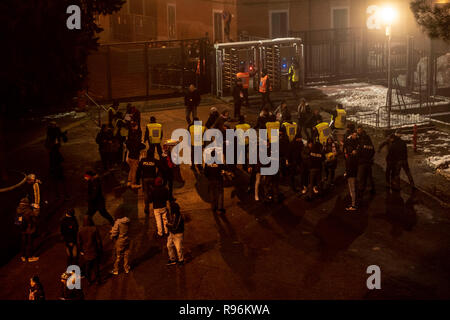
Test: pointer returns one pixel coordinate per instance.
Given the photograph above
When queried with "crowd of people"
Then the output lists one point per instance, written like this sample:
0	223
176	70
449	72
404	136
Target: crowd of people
309	154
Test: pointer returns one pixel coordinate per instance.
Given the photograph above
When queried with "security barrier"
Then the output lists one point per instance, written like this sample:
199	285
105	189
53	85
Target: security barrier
274	55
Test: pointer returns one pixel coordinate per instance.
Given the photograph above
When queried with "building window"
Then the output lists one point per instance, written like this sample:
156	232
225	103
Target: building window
171	21
218	26
279	24
137	7
339	18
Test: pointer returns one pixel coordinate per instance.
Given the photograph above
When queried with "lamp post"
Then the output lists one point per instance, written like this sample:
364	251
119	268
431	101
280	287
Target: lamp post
388	15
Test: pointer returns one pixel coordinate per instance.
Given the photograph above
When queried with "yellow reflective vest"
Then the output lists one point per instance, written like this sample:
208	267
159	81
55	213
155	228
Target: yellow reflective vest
154	132
341	119
269	127
294	75
244	127
197	139
324	132
291	130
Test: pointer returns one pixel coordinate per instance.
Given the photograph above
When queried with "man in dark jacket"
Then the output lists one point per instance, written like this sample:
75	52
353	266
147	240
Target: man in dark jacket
167	170
160	198
213	115
238	96
366	152
147	171
192	99
104	140
176	235
69	233
351	159
400	157
96	200
90	245
284	151
390	161
28	224
263	118
214	174
134	146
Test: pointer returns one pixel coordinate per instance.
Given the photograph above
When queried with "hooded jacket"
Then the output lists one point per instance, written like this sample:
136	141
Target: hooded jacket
119	231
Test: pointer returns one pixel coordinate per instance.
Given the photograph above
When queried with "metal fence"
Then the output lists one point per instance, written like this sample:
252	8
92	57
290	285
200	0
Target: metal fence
144	69
350	52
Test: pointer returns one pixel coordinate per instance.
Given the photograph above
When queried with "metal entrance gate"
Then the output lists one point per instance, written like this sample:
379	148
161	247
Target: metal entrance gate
275	55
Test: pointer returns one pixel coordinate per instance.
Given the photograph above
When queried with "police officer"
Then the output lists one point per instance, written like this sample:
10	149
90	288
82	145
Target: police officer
147	170
264	88
214	173
113	113
315	167
242	125
330	149
339	117
295	158
294	76
196	131
291	129
153	135
366	153
272	125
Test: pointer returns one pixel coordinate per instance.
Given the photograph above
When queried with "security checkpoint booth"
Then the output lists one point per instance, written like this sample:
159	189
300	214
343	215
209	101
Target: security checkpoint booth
275	55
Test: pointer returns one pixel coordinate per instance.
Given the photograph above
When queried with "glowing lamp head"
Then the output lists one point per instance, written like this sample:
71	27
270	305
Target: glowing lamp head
388	15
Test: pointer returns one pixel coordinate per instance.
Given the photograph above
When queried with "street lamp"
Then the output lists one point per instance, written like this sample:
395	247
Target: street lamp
388	15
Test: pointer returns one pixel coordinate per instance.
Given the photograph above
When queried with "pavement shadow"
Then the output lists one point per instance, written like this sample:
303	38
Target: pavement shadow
336	232
202	185
400	215
240	258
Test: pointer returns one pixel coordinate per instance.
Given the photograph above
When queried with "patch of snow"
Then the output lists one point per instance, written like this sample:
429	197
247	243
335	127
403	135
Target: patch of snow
73	114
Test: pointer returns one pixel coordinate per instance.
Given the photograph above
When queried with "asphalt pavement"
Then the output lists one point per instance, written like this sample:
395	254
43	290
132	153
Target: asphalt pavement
292	250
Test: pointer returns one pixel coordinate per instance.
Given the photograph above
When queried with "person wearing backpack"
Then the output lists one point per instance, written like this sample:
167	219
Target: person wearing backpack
27	221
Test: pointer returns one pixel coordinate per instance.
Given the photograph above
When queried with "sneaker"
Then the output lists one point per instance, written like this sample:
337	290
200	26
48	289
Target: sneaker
114	272
181	263
23	259
316	190
305	190
171	263
127	270
351	208
33	259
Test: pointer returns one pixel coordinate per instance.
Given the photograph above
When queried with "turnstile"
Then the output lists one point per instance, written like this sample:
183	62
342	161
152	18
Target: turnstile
274	55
